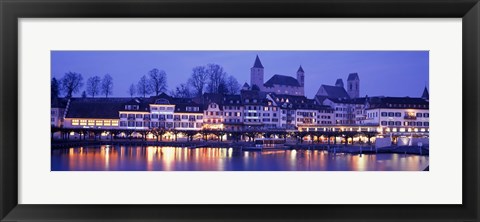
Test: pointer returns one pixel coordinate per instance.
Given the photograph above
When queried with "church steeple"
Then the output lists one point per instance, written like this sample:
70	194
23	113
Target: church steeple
257	63
300	69
301	76
256	74
425	94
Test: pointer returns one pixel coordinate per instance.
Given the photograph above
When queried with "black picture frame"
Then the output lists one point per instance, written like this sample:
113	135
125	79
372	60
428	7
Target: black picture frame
11	11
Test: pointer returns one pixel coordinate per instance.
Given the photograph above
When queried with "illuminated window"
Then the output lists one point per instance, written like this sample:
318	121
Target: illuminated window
106	122
91	122
99	123
75	122
114	122
83	122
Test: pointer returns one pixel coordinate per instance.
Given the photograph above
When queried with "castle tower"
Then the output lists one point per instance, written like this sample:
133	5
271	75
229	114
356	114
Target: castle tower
339	83
301	76
256	74
353	85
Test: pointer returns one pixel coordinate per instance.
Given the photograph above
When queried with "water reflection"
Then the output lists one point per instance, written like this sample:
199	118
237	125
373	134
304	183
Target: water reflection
154	158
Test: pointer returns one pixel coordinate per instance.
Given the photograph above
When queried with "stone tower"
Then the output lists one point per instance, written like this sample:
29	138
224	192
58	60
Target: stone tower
256	74
353	85
301	76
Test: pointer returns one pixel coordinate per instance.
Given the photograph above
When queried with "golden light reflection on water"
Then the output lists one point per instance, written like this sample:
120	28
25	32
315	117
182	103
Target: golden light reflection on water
225	159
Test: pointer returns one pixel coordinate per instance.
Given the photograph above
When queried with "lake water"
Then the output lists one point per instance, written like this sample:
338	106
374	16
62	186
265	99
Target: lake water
121	158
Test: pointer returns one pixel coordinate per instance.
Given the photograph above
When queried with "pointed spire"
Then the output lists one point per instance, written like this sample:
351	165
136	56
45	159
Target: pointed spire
300	69
257	63
425	94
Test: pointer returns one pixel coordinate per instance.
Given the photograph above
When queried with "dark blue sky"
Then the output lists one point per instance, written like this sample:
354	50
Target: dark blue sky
389	73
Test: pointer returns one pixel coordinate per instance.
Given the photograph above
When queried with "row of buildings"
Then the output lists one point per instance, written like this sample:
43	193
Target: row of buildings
278	103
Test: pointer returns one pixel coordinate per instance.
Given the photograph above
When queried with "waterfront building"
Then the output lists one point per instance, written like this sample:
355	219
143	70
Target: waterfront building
300	112
99	113
188	115
253	103
135	114
277	104
398	115
57	111
233	112
271	114
213	116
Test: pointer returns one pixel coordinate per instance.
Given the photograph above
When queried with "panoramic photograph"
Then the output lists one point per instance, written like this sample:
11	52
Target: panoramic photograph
239	110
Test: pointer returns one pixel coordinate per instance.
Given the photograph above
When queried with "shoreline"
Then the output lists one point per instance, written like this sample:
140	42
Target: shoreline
334	148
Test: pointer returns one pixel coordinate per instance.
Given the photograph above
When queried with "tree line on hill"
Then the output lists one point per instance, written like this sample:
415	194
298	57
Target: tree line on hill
210	78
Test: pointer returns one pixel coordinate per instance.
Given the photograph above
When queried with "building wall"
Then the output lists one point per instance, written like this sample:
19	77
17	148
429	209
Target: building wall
283	89
252	115
94	123
56	117
353	88
256	77
233	115
359	112
187	121
344	113
399	120
271	116
213	117
325	117
301	78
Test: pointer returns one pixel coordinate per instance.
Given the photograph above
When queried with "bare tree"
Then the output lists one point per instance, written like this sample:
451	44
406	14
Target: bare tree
216	77
198	80
107	85
131	90
233	87
71	83
93	86
181	91
143	87
222	88
158	81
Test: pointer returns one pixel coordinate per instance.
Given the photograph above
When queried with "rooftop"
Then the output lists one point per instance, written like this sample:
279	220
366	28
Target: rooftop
282	80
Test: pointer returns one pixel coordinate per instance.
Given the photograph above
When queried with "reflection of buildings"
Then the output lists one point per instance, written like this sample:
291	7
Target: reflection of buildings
278	103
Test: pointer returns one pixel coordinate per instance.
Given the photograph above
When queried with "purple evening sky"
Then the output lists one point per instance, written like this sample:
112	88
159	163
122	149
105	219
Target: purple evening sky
388	73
